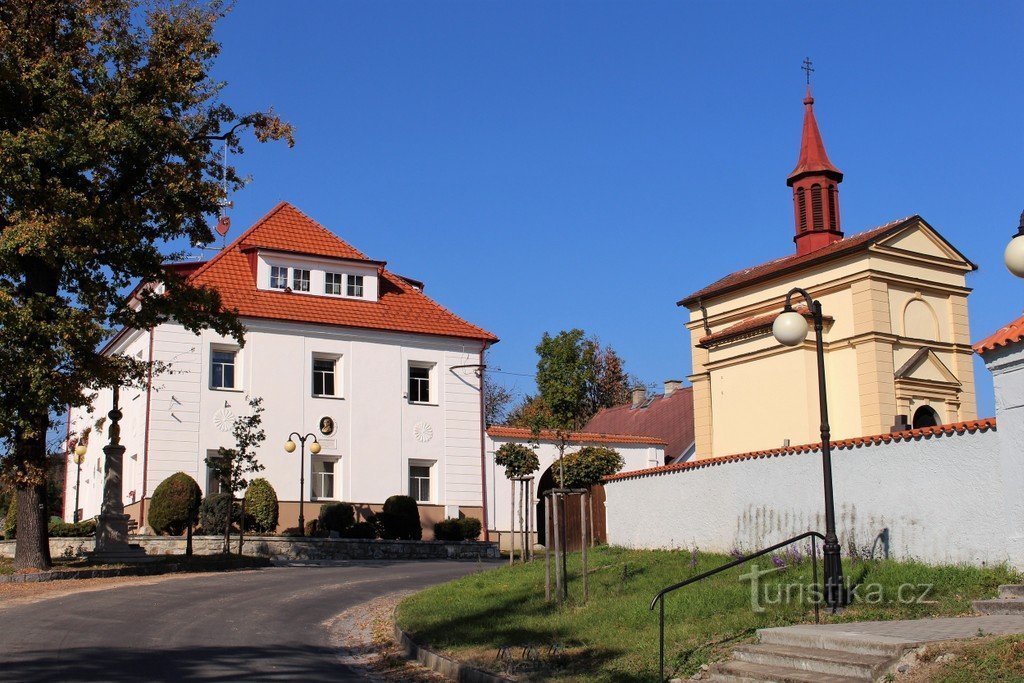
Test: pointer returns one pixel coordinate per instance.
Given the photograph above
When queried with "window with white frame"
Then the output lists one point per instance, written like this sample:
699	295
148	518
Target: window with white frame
419	482
222	368
278	277
419	382
355	285
332	283
325	376
324	478
300	280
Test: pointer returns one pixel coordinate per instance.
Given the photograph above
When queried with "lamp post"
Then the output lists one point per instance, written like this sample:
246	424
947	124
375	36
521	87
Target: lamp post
790	329
79	458
1014	254
314	448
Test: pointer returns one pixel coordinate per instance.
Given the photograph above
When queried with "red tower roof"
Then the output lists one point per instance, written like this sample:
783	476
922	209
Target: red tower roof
813	158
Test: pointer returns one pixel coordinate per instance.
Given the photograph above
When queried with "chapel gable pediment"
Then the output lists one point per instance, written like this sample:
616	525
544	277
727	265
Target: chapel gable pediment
925	366
921	240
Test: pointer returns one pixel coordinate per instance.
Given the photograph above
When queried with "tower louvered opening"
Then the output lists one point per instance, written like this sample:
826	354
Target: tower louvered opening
801	203
817	210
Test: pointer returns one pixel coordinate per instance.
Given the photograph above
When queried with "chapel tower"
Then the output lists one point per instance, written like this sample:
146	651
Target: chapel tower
815	182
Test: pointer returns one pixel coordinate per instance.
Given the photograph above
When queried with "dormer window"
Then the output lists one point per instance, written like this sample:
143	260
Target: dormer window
300	280
278	277
332	283
355	286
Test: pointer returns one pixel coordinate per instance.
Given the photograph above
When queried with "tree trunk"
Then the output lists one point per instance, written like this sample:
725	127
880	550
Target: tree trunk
188	542
32	550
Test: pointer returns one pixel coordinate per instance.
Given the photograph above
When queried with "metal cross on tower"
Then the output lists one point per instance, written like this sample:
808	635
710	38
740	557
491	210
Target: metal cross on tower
808	69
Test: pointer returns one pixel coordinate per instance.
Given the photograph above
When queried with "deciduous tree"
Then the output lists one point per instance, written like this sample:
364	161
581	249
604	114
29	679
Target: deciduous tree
231	466
108	114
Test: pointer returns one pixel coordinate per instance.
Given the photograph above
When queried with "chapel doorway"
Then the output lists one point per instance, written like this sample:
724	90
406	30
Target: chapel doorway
925	416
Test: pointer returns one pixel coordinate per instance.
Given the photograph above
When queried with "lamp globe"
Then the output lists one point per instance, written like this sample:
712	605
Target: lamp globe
790	328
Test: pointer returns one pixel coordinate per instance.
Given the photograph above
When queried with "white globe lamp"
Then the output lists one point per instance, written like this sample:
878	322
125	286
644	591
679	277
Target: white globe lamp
289	446
1014	256
790	328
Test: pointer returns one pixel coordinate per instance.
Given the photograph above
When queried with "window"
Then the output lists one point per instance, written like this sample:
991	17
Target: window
222	369
300	280
323	478
419	483
324	371
332	283
419	383
278	277
355	285
214	483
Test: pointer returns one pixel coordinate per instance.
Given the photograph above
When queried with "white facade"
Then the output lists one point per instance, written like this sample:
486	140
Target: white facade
378	432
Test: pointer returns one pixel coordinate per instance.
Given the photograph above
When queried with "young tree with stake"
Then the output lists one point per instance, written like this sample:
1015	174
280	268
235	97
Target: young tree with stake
231	466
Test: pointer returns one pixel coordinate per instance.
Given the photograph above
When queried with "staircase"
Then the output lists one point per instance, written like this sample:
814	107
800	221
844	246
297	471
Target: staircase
1010	601
809	655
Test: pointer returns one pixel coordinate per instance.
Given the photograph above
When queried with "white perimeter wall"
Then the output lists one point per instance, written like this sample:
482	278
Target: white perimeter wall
944	499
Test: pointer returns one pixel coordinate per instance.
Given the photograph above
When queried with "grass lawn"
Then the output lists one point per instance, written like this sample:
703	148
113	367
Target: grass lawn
615	638
988	659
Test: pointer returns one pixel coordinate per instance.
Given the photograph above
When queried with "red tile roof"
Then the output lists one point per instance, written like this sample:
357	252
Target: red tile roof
502	432
793	262
813	158
668	418
401	306
751	326
956	428
1009	334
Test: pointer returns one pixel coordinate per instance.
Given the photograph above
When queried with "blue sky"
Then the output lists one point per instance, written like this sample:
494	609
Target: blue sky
548	165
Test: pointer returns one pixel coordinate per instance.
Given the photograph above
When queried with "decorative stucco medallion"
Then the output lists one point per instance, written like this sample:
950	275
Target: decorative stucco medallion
223	419
423	432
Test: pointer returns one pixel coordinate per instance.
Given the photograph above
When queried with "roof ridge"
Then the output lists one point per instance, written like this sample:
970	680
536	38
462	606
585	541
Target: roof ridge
323	228
949	429
581	435
245	233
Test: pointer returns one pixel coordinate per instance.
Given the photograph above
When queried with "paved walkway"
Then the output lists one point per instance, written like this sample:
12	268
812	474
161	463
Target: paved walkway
915	631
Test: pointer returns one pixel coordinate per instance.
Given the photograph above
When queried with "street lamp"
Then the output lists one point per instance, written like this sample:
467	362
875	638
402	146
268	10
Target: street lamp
790	328
79	458
1014	254
314	448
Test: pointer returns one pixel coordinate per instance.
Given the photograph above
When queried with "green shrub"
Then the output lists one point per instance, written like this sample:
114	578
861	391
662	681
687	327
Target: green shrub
360	530
336	517
449	530
175	505
61	529
471	528
313	527
260	506
11	519
400	519
213	513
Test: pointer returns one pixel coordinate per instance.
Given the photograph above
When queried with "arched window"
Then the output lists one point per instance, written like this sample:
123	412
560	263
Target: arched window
831	207
817	216
925	416
801	203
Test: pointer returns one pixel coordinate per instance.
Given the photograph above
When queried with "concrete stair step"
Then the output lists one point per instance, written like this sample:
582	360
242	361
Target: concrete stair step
748	672
830	662
1010	591
828	639
1000	606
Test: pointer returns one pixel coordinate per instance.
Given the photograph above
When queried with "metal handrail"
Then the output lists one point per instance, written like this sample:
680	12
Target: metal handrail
660	597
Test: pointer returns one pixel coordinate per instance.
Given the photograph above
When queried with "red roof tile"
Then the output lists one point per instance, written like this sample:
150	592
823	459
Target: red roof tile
953	429
795	262
1009	334
401	306
668	418
500	431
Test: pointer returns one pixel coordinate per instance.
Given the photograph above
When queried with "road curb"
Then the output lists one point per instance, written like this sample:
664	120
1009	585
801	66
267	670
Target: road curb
142	570
451	669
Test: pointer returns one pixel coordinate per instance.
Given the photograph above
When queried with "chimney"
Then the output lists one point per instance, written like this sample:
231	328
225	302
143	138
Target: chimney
639	396
671	386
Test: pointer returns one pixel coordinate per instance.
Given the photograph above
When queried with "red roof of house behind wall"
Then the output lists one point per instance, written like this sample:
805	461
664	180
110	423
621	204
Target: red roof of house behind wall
1008	334
667	418
401	306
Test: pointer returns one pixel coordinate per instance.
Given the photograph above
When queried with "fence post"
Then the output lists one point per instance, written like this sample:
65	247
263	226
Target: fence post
583	532
512	526
547	553
559	574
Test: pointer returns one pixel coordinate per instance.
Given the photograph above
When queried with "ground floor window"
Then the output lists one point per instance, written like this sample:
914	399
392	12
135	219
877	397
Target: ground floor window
324	478
419	482
214	483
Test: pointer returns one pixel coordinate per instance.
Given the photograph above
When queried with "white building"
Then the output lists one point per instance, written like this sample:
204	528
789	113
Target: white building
336	345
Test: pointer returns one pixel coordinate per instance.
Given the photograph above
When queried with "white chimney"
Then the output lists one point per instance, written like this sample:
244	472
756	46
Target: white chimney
671	386
639	396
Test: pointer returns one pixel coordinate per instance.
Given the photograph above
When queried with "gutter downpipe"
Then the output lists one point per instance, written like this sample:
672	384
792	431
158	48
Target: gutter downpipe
145	441
483	443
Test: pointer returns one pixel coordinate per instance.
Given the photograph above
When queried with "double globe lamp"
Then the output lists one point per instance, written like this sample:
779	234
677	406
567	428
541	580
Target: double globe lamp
314	448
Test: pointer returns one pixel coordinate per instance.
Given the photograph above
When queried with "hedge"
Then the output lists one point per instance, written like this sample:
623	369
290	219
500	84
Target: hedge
400	519
175	505
213	513
336	517
260	506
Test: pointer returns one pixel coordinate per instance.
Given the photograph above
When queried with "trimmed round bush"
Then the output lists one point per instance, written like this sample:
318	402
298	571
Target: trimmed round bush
448	530
213	513
336	517
471	528
61	529
400	519
11	519
360	530
260	506
175	505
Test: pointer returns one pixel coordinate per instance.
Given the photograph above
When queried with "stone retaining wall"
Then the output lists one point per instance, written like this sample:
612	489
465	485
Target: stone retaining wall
288	548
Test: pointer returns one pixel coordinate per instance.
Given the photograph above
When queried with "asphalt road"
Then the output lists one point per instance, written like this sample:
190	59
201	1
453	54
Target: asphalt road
263	625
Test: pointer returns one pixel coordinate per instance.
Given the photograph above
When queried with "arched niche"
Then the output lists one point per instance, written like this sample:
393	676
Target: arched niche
919	320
